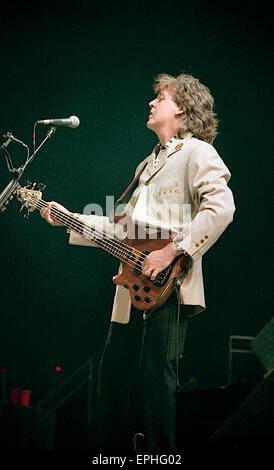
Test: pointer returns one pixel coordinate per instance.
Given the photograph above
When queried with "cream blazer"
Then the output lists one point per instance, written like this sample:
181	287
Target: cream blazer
186	192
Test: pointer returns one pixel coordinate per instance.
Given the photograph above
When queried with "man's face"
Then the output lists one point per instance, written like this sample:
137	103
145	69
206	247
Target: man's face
163	111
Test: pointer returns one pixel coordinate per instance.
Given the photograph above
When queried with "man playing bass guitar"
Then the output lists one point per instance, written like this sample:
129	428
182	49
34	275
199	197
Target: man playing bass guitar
182	197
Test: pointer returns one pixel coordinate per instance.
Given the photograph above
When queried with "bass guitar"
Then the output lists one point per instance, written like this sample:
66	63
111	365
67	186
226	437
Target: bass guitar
145	294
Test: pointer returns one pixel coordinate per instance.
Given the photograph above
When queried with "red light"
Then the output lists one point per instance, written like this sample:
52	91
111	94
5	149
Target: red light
3	370
58	369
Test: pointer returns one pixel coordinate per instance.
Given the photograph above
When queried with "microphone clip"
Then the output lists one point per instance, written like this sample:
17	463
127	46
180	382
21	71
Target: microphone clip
51	131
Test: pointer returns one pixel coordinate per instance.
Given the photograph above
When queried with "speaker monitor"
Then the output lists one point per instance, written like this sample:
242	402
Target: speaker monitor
263	345
253	420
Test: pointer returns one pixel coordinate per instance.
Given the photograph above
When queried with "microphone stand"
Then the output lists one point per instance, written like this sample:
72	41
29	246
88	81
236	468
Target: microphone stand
8	191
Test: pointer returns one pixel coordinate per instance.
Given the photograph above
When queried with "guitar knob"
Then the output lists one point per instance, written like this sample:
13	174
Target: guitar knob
146	289
148	299
136	287
137	297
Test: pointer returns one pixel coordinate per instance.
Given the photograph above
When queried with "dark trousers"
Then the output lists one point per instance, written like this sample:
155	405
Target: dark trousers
137	380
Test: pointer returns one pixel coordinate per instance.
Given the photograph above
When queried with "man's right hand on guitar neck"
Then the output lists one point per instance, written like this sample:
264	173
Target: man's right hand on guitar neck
47	215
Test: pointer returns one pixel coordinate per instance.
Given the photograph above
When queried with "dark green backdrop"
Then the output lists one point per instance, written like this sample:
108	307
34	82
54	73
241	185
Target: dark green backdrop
97	60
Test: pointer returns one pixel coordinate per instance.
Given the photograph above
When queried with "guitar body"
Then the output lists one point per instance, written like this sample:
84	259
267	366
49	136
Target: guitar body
146	294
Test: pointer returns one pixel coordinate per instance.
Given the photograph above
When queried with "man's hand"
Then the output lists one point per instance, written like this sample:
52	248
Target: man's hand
158	260
47	215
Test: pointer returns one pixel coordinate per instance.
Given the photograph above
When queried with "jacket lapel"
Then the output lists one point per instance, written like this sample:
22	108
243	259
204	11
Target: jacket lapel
163	156
151	168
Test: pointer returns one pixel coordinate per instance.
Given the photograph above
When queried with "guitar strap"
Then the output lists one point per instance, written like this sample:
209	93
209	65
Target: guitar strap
114	216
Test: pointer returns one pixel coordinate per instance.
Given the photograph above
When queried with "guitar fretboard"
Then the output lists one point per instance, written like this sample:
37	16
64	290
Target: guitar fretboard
103	240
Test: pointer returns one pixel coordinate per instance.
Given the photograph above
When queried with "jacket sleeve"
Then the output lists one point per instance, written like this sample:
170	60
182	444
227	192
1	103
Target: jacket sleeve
212	200
102	224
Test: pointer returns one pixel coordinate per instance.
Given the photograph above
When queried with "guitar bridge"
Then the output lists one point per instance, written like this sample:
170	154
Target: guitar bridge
162	277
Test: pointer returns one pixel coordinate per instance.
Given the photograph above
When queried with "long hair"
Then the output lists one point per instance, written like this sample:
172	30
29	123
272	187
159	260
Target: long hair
197	102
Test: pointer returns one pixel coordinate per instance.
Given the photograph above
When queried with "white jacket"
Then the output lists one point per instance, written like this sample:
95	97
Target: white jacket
187	193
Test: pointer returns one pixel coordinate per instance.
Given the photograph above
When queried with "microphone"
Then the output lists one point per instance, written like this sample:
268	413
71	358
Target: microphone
72	121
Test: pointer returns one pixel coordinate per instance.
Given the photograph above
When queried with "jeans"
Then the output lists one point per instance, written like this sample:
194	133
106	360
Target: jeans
137	380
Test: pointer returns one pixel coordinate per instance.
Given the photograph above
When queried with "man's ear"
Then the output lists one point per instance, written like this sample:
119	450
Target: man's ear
180	110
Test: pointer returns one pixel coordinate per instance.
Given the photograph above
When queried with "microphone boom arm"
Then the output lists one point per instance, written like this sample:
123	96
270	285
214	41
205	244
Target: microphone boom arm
7	194
48	136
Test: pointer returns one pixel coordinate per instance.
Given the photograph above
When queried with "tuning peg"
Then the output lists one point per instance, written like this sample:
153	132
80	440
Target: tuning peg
28	184
41	186
26	214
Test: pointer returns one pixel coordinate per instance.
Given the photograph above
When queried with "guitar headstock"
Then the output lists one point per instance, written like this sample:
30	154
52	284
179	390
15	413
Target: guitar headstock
30	197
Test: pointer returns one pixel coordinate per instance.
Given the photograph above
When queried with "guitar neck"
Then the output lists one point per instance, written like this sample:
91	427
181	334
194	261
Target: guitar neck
108	243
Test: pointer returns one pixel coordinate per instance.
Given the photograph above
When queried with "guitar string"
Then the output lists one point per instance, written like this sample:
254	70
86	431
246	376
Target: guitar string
100	237
66	217
121	250
95	234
